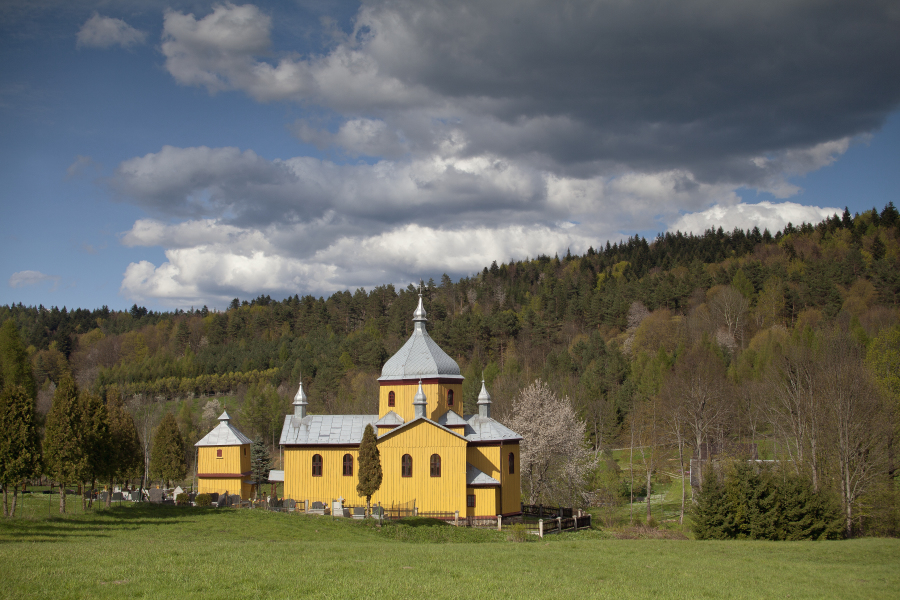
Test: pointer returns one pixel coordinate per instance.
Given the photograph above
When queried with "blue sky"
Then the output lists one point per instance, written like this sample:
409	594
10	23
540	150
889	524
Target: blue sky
184	153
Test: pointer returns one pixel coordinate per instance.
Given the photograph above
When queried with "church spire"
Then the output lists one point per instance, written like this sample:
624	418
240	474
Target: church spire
419	316
300	402
420	402
484	401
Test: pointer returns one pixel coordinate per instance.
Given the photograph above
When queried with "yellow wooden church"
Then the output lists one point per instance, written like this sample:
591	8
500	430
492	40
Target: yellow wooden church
431	454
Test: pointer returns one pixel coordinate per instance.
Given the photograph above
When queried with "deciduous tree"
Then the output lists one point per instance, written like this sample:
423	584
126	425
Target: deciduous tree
555	460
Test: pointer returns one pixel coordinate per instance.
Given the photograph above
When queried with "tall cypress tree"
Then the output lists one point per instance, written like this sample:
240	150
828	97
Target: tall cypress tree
369	467
20	447
64	451
167	459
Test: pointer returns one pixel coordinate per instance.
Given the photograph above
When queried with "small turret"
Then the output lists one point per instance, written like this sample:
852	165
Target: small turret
484	402
419	316
420	402
300	402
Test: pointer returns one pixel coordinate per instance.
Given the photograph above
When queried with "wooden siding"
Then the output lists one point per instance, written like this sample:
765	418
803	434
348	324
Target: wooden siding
299	483
220	485
493	461
511	485
420	441
486	502
235	459
405	393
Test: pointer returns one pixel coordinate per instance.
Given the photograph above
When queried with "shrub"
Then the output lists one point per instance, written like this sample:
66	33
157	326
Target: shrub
182	500
202	500
517	533
755	505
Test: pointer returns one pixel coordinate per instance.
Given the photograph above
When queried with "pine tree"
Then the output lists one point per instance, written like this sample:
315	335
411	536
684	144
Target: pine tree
369	467
20	448
167	459
64	452
260	463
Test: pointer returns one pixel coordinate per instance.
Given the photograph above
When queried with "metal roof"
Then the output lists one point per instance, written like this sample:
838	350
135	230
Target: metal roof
224	434
450	419
391	418
325	429
486	429
476	477
420	357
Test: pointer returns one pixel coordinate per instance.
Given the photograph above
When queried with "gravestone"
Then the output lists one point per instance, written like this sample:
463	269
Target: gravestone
104	496
117	497
156	495
177	491
234	500
214	497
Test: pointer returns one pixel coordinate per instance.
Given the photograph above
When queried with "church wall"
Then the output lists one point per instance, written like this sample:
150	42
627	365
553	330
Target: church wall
486	459
300	484
220	485
405	393
511	501
235	459
444	493
486	502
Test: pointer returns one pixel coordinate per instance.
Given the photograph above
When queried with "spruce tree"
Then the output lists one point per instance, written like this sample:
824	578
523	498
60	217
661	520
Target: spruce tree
260	463
20	447
167	458
95	439
710	513
64	452
369	467
125	456
15	368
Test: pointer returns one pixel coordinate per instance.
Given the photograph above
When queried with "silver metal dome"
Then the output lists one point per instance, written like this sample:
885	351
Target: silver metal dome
420	357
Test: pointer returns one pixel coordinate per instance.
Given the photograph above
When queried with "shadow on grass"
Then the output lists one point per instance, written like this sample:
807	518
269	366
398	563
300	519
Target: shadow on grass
94	523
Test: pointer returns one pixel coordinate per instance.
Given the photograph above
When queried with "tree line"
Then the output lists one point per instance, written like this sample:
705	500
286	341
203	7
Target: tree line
686	345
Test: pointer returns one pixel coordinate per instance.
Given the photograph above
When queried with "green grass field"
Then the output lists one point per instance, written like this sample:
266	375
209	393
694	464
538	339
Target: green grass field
142	551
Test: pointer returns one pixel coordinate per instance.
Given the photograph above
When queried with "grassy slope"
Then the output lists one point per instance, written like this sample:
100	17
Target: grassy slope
155	552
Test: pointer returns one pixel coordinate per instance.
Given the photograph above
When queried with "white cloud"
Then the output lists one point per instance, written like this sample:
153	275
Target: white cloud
214	263
26	278
103	32
765	215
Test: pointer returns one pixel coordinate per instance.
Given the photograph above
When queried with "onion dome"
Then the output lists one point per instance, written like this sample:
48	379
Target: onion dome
420	357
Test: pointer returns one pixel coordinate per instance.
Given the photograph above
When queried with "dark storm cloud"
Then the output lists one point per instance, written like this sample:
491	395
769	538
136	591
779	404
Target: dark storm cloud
653	84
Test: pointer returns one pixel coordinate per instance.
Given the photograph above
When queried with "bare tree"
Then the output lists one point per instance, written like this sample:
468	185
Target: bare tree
554	457
728	309
858	419
699	388
675	419
648	431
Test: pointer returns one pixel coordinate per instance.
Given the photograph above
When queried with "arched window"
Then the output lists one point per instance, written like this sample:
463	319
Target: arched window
348	465
406	466
512	463
391	398
435	465
449	397
317	465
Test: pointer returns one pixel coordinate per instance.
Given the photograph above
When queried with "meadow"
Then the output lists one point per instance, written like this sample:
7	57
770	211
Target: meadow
145	551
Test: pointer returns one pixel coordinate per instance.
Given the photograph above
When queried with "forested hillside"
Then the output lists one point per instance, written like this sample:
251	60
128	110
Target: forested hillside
760	331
